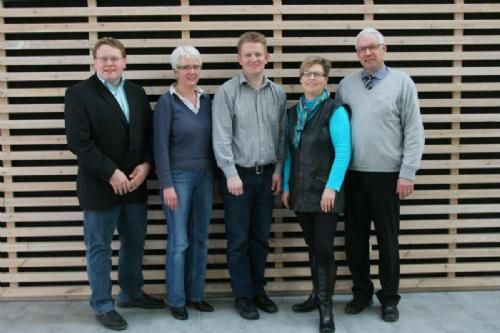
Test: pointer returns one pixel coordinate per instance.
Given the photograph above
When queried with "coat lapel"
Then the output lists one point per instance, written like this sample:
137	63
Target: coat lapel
110	99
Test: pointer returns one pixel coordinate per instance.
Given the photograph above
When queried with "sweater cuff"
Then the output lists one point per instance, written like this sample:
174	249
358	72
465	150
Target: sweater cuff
278	168
165	180
230	171
407	172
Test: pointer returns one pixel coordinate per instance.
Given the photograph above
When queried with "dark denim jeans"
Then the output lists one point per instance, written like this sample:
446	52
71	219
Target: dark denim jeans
248	220
98	229
188	236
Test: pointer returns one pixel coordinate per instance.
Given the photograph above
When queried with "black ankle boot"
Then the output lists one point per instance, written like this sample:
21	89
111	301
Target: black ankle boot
311	303
326	283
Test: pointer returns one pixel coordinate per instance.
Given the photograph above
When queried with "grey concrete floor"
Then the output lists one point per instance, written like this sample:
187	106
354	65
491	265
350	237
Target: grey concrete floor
453	312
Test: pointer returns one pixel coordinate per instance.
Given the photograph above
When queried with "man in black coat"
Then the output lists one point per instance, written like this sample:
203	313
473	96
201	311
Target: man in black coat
108	128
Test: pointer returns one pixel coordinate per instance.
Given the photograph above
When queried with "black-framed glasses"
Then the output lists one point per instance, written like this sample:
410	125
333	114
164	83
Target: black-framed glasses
189	67
313	74
105	60
371	48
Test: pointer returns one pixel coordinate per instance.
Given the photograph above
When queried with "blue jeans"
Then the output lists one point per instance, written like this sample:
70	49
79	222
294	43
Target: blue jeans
248	220
188	236
98	229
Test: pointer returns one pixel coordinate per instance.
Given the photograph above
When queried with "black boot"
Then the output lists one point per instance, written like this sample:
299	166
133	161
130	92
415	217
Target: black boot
326	283
311	303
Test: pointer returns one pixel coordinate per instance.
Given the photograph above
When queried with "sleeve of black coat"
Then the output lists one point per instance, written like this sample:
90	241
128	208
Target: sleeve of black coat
79	138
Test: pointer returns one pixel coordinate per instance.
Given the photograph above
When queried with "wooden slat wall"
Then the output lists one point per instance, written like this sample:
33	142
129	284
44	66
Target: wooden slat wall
450	228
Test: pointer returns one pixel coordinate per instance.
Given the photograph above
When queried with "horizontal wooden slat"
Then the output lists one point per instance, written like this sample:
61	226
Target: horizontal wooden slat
273	257
242	10
255	25
231	42
218	58
168	74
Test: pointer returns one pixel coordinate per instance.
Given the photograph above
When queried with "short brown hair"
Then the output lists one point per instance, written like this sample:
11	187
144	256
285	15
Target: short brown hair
115	43
315	60
252	37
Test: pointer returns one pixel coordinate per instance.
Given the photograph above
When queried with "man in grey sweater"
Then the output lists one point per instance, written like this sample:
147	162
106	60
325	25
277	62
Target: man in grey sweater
387	143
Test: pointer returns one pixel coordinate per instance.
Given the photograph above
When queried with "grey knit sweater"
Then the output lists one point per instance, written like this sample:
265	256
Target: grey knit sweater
387	131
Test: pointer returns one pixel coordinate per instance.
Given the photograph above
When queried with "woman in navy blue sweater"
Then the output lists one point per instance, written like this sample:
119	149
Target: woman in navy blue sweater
185	168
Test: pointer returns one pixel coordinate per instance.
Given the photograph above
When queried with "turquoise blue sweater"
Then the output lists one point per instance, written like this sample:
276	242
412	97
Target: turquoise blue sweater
340	134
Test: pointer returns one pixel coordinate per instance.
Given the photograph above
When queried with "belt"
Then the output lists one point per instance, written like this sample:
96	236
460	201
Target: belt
258	169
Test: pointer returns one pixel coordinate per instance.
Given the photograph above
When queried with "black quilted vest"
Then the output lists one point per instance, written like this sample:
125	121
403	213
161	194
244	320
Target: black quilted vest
312	160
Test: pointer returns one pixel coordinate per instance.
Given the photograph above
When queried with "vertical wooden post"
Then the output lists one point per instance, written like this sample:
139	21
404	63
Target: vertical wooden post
9	215
278	49
455	142
93	35
186	34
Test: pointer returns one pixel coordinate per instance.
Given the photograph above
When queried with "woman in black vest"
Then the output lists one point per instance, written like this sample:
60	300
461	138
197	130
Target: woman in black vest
317	156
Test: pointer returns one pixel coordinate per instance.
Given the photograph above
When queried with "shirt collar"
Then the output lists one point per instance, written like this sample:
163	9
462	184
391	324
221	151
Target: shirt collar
172	91
380	74
242	79
109	85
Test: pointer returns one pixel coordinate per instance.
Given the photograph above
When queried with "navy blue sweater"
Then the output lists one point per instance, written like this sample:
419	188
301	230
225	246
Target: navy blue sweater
182	139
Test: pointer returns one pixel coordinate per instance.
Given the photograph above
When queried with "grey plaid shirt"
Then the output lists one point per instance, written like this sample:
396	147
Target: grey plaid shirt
248	125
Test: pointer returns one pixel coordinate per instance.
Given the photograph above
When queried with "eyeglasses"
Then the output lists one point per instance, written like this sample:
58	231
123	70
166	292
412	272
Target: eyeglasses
371	48
105	60
189	67
313	74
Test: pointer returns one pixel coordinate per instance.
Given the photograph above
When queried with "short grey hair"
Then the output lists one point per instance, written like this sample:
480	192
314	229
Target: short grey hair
370	31
189	52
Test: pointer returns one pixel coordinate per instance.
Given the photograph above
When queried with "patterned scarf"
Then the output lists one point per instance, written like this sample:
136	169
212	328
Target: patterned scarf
306	109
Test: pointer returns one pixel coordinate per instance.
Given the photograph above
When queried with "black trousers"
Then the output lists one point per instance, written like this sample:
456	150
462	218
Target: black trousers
319	234
371	196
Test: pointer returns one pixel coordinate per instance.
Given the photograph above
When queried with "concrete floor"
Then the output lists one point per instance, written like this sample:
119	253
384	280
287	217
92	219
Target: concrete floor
453	312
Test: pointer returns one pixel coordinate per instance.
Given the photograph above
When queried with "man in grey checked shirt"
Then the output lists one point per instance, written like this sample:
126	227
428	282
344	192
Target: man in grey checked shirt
248	139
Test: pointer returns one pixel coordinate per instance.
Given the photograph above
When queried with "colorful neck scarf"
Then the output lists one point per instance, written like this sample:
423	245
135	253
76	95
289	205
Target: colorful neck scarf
306	109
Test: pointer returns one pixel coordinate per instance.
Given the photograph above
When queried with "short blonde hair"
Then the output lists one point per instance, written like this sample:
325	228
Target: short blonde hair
252	37
315	60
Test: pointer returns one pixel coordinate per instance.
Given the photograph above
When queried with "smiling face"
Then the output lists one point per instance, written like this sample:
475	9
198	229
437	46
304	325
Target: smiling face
187	72
313	81
109	64
253	58
370	53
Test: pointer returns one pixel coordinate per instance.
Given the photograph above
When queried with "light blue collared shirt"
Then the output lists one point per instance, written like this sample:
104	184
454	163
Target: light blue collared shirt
119	94
377	76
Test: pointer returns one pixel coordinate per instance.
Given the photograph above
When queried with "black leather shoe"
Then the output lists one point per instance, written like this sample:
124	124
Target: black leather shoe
390	313
112	320
143	302
310	304
264	303
356	305
202	306
179	313
246	308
